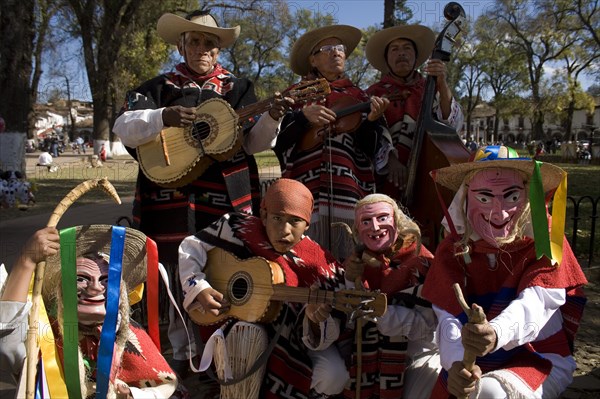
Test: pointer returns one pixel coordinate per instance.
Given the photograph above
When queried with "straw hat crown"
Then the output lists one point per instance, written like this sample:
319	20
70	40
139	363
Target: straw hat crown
171	26
97	238
497	157
303	47
420	35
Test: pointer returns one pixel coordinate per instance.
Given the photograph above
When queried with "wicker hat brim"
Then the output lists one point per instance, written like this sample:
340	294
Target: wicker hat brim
420	35
97	238
171	26
453	176
303	47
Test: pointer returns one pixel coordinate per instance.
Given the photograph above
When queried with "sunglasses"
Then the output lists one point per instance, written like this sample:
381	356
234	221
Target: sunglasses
329	48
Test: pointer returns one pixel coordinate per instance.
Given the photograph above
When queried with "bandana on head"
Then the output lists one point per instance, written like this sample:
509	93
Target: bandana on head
290	197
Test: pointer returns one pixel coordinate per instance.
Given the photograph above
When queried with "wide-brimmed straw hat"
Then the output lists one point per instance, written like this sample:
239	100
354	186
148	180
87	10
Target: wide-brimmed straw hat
497	157
96	238
303	47
171	26
420	35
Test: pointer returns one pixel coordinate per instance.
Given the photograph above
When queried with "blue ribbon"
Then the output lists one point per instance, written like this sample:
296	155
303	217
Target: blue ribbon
109	329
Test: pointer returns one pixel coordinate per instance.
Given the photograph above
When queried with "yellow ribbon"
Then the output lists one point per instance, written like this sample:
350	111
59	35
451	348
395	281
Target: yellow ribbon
50	360
136	294
559	215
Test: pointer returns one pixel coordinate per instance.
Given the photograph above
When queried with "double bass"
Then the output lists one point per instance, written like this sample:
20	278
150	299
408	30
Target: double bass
435	144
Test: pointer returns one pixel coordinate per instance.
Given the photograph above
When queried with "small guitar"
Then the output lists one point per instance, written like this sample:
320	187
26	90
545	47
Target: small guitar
255	289
177	156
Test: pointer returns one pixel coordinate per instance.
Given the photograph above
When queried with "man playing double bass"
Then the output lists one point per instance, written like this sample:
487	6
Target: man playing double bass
397	52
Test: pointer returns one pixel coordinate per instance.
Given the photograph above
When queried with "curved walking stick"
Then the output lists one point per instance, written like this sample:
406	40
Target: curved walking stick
31	343
476	316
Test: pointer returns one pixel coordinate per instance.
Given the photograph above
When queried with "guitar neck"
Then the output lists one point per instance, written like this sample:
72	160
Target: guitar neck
255	109
302	294
352	109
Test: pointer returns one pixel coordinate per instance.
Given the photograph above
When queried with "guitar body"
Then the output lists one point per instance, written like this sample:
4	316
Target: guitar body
177	156
247	284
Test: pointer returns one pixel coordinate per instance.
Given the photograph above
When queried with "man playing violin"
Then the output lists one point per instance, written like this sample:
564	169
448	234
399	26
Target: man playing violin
332	155
397	52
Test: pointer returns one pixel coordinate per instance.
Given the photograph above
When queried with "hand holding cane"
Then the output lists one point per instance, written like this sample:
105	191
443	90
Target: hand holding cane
476	316
31	343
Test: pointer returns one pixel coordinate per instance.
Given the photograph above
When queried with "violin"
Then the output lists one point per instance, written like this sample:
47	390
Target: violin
348	112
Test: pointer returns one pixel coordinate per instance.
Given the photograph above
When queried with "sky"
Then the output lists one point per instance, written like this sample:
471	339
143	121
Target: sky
359	13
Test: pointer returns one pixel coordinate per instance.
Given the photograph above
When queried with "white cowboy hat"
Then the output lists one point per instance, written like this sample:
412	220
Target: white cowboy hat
171	26
304	46
96	238
420	35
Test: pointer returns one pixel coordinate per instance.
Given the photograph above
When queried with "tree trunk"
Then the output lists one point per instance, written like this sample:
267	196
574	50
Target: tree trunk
17	29
389	8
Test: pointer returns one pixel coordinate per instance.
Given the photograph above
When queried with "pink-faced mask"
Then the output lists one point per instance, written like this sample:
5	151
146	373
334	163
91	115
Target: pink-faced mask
376	226
495	199
92	278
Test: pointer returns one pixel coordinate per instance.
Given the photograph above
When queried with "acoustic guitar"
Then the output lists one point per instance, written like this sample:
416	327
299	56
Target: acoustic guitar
255	289
177	156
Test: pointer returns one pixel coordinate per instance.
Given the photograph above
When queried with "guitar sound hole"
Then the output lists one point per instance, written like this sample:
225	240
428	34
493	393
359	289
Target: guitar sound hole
239	289
200	131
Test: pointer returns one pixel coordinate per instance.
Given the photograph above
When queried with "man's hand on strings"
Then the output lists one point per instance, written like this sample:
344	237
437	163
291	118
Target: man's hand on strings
178	116
378	107
438	69
479	339
317	312
461	382
319	115
280	106
397	172
212	301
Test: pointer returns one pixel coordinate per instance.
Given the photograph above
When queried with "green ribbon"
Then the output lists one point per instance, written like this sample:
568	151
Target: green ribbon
539	219
68	259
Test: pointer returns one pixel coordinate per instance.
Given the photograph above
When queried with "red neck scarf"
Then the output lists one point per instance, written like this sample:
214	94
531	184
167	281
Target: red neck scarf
184	70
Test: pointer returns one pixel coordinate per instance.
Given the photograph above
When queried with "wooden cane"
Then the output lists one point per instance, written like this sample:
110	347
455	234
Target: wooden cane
31	343
476	316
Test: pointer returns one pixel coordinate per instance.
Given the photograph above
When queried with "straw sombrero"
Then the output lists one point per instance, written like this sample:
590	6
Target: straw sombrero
420	35
497	157
97	238
303	47
171	26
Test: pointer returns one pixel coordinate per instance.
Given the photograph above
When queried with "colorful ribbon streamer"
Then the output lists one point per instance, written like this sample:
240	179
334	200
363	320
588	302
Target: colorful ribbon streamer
109	328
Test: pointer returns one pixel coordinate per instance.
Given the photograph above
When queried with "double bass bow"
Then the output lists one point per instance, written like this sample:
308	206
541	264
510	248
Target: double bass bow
435	144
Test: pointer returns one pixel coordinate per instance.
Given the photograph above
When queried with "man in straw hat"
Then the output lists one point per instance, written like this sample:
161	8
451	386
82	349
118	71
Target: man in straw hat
397	52
169	215
334	160
304	362
522	273
73	368
398	352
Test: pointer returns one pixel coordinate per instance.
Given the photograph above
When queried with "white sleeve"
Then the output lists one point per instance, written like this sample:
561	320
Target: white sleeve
263	134
525	317
329	329
192	259
400	320
456	118
138	127
449	338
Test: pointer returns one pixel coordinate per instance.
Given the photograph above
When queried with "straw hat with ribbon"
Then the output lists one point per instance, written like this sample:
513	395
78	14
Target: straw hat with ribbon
376	49
97	239
544	180
305	45
171	26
